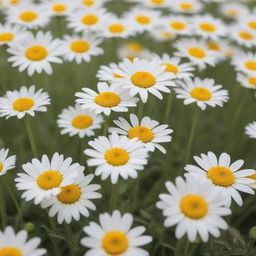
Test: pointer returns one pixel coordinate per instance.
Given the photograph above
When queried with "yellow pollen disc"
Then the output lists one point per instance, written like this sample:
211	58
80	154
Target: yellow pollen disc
143	79
196	52
49	180
232	12
178	25
23	104
36	53
1	166
193	206
88	2
80	46
201	93
246	35
253	176
82	122
117	156
170	68
252	24
186	7
157	1
135	47
118	76
251	65
59	8
252	81
116	28
6	37
13	2
143	19
207	27
90	19
115	243
167	34
28	16
10	251
221	176
142	133
69	194
213	46
107	99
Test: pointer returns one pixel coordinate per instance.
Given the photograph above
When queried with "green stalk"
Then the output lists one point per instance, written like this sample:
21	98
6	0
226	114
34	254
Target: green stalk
113	197
3	207
53	240
182	247
168	109
70	239
106	125
135	194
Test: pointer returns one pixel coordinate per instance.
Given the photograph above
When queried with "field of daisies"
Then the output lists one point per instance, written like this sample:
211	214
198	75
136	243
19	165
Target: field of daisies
128	127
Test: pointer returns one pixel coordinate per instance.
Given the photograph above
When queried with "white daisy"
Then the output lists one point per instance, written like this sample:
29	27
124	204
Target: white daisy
233	10
250	130
35	53
147	131
222	47
6	163
174	65
44	179
196	51
195	207
186	6
106	73
143	77
246	80
245	62
73	200
243	36
59	7
17	244
109	98
229	178
249	21
81	48
115	236
116	155
76	121
89	3
22	102
162	34
156	3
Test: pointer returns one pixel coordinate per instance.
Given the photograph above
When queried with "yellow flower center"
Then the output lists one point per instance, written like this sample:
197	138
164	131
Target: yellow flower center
116	28
135	47
201	93
118	76
186	7
143	19
88	2
117	156
253	176
82	121
157	1
196	52
167	34
115	243
10	251
49	180
107	99
28	16
141	132
36	53
69	194
252	81
23	104
59	8
251	65
80	46
178	25
221	176
170	68
252	24
90	19
13	2
143	79
232	12
1	166
6	37
246	35
207	27
193	206
213	46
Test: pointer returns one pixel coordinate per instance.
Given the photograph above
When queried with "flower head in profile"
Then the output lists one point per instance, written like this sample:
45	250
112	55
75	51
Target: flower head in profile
22	102
59	7
243	35
6	163
247	81
115	236
186	6
250	130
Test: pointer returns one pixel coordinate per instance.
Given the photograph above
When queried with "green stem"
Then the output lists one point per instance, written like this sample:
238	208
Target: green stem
182	247
54	230
106	125
3	207
113	197
31	137
135	194
168	109
70	239
140	110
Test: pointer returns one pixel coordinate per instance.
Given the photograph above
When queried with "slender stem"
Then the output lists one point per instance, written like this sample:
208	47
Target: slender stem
70	239
106	125
113	197
182	247
54	230
135	194
82	142
140	110
168	109
31	137
3	207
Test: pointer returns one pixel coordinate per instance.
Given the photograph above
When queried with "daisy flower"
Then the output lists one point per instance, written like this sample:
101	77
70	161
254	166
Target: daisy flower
44	179
247	80
202	92
222	47
148	131
143	77
106	73
245	62
249	21
22	102
243	36
196	51
116	155
17	244
227	177
195	207
28	14
11	33
233	10
115	236
174	65
109	98
156	3
35	53
250	130
6	163
89	3
73	200
81	48
186	6
162	34
59	7
207	26
76	121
